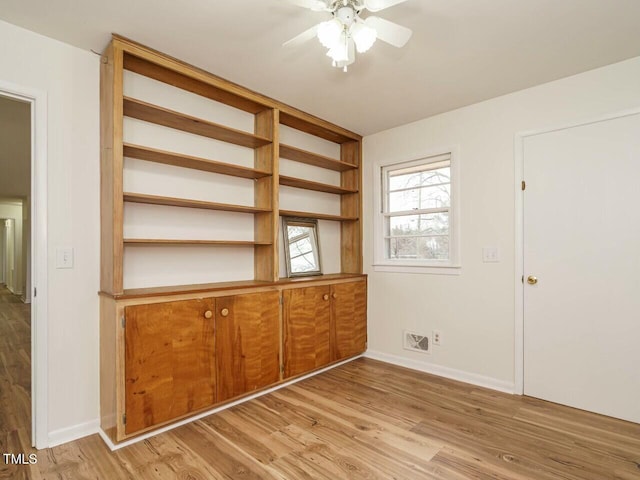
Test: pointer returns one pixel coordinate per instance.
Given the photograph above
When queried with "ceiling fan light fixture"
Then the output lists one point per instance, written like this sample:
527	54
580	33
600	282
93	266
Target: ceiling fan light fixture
340	51
364	36
330	32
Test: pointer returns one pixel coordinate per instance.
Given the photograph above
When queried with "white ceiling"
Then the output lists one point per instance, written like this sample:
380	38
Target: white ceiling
462	51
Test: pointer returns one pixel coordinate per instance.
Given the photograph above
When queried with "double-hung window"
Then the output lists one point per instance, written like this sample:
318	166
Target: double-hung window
416	225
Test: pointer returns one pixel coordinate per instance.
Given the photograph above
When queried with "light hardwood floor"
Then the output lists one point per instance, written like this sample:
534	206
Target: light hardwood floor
363	420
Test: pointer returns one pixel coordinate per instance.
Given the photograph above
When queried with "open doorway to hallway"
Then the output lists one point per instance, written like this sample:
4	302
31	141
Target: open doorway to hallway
15	281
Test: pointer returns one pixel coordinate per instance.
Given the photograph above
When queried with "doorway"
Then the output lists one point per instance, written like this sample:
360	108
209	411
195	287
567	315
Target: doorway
23	198
580	238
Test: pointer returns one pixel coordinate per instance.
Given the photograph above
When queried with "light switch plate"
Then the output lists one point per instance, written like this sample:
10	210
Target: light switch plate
490	255
64	257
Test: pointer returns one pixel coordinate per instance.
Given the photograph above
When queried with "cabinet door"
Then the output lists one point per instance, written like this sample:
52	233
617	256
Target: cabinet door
247	342
306	313
348	319
169	361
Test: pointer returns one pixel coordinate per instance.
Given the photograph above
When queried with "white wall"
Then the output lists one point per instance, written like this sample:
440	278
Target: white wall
475	311
70	78
13	210
15	147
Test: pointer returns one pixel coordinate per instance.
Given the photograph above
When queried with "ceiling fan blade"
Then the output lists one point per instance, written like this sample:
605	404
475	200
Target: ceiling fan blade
377	5
390	32
302	38
315	5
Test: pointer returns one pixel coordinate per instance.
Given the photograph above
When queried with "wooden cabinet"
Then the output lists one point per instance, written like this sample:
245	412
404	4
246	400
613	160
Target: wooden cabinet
323	324
306	315
169	361
348	319
247	343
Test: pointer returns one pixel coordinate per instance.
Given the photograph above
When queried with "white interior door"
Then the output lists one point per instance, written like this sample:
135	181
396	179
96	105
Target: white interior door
582	243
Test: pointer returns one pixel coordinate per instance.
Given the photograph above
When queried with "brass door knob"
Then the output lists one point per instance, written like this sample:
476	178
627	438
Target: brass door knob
224	312
208	314
325	296
531	280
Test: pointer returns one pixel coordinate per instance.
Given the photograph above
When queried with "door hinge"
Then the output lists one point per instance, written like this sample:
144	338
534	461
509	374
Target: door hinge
524	185
281	368
35	292
281	300
124	418
123	321
522	279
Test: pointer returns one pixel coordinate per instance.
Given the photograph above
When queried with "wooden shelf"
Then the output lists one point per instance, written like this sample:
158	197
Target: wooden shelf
161	116
310	158
318	187
316	127
184	202
168	241
187	161
222	286
319	216
182	76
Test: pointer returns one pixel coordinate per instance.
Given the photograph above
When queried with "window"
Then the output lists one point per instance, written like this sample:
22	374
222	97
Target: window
416	223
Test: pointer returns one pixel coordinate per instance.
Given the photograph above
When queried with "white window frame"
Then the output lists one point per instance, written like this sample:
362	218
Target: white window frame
382	263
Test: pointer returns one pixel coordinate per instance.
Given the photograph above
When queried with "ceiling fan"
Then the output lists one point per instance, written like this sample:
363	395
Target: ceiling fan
347	32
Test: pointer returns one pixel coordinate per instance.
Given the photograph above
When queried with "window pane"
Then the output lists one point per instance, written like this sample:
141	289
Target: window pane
431	224
433	248
300	247
398	179
403	247
426	197
304	263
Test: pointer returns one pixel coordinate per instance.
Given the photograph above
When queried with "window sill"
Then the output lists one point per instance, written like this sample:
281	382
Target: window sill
423	269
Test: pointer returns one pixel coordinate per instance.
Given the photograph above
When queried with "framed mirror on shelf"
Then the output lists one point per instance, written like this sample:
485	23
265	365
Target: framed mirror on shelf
301	246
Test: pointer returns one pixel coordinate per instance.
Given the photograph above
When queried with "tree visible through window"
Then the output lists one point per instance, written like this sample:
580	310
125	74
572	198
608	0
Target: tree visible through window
417	210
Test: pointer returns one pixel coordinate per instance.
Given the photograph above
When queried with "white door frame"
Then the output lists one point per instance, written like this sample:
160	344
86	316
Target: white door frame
39	347
519	235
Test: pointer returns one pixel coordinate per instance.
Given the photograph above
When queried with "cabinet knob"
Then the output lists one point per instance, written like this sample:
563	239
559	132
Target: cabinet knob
325	296
208	314
334	295
224	312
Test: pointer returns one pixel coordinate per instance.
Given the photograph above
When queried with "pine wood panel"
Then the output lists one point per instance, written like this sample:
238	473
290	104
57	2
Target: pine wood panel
248	343
306	315
169	361
187	203
303	156
172	241
266	195
111	162
316	186
315	126
108	361
169	118
213	288
186	161
319	216
348	319
351	206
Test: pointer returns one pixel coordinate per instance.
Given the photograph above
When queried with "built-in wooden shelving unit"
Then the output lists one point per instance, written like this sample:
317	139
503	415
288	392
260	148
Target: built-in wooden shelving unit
226	339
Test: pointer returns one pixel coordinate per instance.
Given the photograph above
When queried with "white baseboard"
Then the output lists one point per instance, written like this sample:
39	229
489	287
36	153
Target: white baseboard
69	434
439	370
137	439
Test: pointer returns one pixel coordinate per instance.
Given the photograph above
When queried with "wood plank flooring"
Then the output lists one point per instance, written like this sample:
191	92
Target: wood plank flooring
363	420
